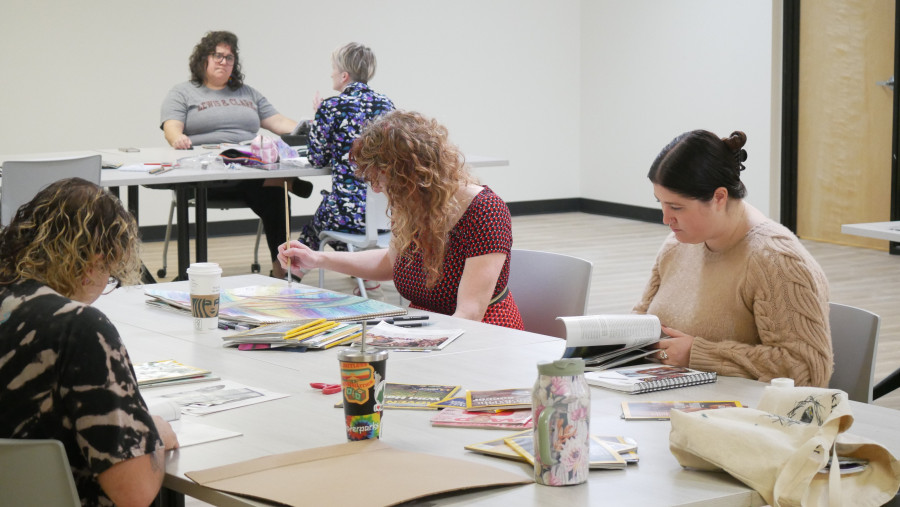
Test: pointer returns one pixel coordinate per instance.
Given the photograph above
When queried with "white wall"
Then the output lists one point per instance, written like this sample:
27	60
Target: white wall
579	95
652	69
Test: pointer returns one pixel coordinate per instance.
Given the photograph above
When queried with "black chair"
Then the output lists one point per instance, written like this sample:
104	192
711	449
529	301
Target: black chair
886	385
227	202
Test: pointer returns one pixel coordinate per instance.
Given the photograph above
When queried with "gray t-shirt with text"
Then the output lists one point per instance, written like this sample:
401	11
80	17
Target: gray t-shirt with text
216	116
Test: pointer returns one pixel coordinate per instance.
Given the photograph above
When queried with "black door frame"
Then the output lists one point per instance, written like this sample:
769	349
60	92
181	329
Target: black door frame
789	117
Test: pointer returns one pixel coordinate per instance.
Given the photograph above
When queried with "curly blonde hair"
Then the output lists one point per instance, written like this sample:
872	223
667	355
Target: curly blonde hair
57	237
412	159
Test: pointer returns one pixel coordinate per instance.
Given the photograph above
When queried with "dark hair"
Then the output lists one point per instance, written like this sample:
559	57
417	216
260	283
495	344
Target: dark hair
206	47
57	237
696	163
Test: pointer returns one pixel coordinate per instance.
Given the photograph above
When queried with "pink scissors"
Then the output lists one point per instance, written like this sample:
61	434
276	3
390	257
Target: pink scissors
326	388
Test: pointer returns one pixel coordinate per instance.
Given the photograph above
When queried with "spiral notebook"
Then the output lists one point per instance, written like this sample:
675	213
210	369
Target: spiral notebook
648	377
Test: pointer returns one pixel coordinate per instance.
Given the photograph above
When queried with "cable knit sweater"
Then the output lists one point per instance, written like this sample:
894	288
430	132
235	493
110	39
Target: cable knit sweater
758	310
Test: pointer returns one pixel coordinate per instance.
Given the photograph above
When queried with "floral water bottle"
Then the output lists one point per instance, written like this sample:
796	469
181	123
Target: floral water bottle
561	406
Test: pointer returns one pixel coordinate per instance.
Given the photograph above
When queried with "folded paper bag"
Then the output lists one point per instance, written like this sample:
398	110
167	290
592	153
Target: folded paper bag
354	473
779	449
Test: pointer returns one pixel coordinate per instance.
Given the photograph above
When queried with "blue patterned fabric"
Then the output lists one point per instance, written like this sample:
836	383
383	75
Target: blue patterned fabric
337	124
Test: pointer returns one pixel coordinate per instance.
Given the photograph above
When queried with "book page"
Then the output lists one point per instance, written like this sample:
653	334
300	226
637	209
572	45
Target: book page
629	330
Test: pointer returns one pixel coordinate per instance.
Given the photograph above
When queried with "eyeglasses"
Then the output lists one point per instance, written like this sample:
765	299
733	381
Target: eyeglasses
111	285
222	58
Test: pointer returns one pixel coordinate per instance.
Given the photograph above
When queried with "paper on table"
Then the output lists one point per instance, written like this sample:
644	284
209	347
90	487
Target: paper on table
188	431
320	476
167	409
219	396
192	433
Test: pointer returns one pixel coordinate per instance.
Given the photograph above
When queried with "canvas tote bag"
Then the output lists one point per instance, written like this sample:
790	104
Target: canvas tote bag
779	449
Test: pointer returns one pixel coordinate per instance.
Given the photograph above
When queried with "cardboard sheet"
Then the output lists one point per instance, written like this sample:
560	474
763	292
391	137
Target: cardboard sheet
355	473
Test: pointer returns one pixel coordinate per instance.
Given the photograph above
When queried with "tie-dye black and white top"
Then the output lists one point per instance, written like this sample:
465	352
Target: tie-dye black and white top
65	375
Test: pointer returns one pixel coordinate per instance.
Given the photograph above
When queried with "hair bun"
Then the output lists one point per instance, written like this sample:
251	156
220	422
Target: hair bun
735	143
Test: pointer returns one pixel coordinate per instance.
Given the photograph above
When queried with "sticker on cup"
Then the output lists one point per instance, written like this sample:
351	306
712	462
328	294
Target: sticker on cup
204	279
362	383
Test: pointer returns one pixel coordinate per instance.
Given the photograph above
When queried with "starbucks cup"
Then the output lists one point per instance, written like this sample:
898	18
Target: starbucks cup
204	278
362	383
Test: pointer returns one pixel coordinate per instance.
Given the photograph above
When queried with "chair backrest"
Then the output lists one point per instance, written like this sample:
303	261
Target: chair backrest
23	179
376	215
548	285
36	472
854	337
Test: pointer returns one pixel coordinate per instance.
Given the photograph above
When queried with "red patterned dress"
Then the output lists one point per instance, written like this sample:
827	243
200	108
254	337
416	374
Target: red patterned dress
484	228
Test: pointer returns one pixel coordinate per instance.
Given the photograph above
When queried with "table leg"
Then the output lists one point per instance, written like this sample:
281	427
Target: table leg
168	498
200	219
133	201
184	237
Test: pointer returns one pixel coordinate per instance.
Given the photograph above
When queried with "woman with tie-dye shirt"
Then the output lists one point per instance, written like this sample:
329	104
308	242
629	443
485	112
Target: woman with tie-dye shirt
337	123
64	372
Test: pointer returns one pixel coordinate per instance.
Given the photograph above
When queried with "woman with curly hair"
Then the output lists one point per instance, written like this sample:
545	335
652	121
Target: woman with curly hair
64	372
216	107
451	237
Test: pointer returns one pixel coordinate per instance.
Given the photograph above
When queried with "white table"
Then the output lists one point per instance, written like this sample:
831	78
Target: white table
184	179
485	357
878	230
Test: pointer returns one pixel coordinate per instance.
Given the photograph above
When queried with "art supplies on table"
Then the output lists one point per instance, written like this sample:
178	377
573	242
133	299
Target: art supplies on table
309	333
497	446
505	399
168	372
659	410
405	320
389	336
502	447
268	304
625	446
415	396
601	455
455	402
611	340
501	420
648	377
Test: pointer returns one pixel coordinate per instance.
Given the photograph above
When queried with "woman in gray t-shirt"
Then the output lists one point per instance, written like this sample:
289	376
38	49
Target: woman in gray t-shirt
216	107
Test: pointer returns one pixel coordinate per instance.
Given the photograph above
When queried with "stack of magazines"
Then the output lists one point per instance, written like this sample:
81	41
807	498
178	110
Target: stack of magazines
309	334
268	304
169	372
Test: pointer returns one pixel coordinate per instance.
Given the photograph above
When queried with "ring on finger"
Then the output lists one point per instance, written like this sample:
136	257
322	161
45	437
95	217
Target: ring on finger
663	355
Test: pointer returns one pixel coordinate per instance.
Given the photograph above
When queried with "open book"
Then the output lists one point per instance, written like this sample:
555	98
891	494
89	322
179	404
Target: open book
501	447
602	455
605	341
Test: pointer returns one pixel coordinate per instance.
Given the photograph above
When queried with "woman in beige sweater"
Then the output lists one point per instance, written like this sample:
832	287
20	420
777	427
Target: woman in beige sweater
736	291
